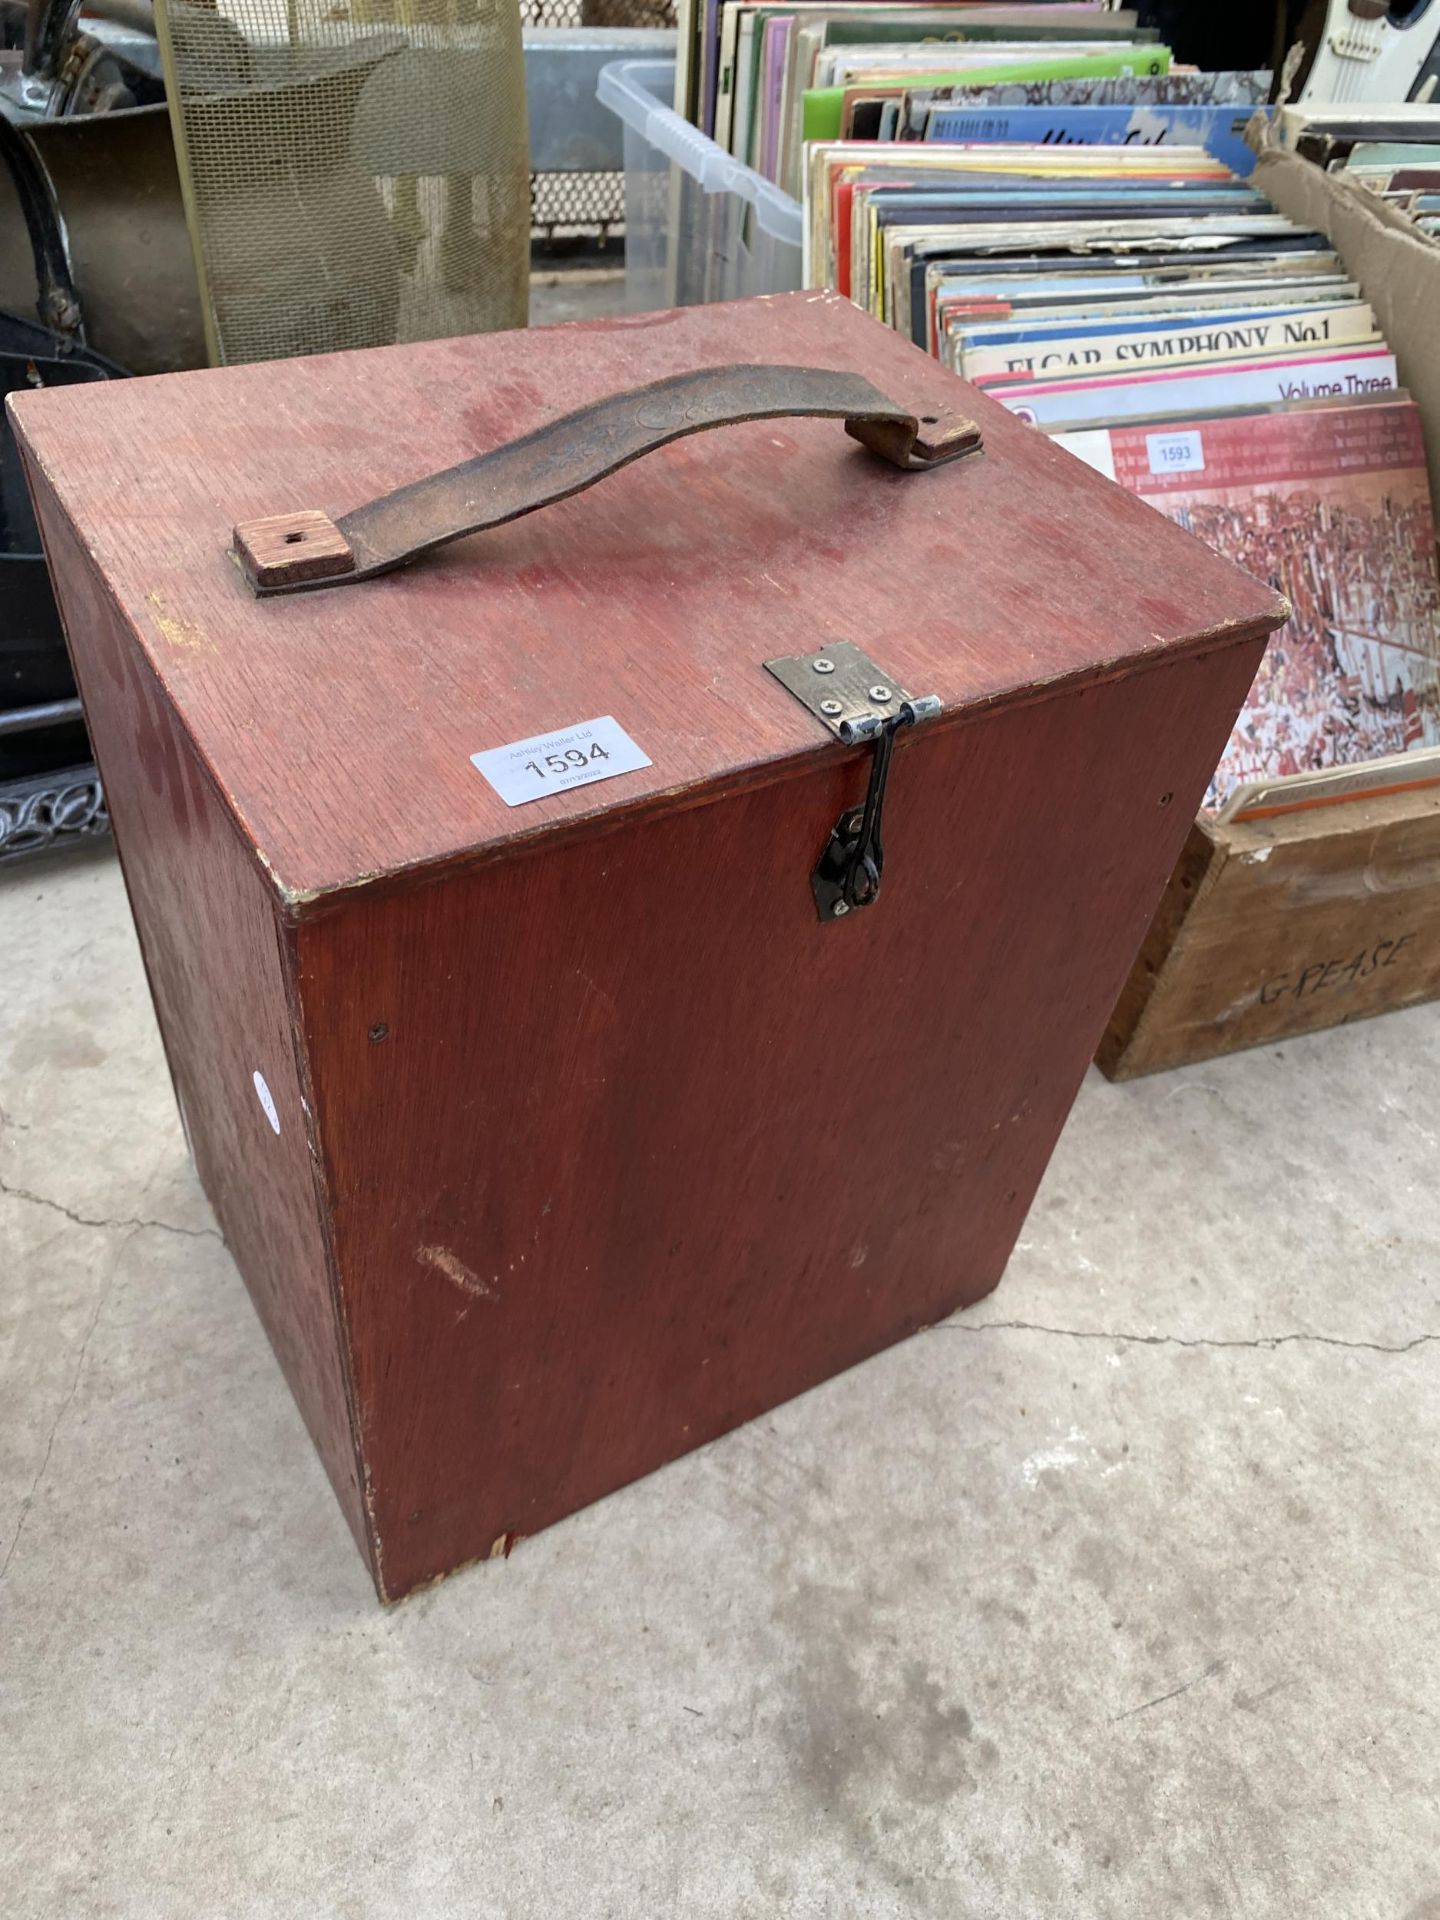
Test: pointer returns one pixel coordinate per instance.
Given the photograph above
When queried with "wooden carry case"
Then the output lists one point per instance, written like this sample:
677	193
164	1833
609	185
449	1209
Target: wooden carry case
560	1124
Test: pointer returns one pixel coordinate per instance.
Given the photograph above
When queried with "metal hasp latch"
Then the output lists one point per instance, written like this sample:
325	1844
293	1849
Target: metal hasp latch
857	701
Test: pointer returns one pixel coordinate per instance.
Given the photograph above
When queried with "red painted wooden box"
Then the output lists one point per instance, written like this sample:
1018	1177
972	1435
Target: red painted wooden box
559	1127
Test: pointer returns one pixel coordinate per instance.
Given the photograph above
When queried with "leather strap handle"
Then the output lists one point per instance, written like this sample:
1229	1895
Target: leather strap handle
292	551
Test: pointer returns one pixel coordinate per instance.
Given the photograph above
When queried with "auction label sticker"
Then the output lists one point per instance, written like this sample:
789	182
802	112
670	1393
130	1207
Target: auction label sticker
1175	452
555	762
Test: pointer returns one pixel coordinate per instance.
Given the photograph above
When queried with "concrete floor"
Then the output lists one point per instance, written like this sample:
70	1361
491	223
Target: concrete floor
1116	1597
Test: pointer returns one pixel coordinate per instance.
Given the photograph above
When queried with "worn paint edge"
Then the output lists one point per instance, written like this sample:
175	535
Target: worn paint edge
322	1187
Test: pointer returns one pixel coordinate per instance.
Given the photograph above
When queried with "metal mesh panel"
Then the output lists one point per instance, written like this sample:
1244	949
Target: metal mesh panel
598	13
354	174
566	207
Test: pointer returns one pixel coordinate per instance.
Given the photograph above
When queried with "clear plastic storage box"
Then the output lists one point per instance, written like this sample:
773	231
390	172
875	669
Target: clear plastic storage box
698	225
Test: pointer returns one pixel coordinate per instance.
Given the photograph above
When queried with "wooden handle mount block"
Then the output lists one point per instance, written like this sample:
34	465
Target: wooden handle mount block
292	549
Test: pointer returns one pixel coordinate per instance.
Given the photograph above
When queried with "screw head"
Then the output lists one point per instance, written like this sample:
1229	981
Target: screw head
881	694
822	665
378	1031
840	907
832	707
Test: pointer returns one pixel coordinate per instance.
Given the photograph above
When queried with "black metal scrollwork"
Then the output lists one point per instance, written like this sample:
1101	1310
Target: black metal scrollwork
46	811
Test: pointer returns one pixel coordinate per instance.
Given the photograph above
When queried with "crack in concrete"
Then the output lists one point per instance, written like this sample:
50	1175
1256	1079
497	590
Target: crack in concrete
84	1220
1215	1666
29	1501
1265	1342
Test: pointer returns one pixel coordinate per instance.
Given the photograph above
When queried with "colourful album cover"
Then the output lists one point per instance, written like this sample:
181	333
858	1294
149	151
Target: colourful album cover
1332	506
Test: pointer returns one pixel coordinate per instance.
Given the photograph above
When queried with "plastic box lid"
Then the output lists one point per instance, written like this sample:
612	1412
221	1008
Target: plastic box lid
638	90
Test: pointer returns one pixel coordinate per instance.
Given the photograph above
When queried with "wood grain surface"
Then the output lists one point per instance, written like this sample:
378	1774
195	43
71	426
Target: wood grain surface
1273	928
214	949
640	1147
340	724
593	1140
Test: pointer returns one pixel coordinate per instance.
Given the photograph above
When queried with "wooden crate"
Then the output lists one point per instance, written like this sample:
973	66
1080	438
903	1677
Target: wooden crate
1275	927
1278	927
553	1140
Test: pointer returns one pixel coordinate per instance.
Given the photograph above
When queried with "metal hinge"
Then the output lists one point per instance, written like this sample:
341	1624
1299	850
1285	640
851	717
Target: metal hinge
858	702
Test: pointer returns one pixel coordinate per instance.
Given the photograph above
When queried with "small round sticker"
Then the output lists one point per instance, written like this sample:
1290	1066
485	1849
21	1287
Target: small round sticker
267	1100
